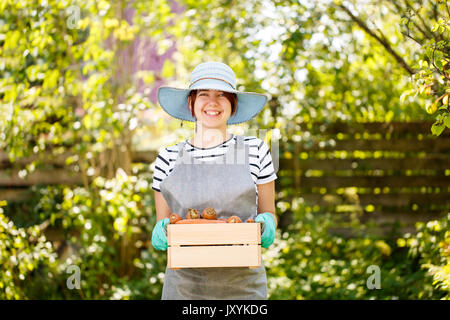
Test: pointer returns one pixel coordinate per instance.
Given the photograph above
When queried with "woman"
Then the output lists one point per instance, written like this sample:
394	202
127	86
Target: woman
198	173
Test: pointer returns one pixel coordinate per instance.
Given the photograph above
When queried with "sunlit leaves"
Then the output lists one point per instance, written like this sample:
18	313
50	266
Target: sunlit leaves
125	32
432	246
21	252
426	23
67	65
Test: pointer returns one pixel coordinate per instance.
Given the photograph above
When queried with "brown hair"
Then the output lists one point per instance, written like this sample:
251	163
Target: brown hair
232	97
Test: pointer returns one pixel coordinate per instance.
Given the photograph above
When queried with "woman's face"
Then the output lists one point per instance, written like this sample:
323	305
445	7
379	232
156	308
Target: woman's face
212	109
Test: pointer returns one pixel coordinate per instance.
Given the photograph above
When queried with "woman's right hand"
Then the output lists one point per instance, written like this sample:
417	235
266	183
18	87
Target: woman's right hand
159	236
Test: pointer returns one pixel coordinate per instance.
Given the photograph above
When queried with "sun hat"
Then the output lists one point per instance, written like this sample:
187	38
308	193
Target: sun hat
211	76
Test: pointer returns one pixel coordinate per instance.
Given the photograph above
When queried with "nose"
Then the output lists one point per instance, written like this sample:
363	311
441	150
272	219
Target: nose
213	97
213	100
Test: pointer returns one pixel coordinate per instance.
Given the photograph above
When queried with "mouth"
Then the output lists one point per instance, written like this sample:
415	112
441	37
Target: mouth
212	114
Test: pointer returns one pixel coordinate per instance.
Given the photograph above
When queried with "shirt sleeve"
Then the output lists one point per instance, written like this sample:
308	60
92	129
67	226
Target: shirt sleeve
161	169
266	171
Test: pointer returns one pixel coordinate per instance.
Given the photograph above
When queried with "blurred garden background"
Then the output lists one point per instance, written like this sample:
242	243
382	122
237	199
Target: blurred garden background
357	120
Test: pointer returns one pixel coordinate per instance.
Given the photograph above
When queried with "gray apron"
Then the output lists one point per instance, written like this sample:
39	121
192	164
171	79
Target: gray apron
226	185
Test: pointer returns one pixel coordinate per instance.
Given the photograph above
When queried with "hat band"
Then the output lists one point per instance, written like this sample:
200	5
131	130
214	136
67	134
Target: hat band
190	85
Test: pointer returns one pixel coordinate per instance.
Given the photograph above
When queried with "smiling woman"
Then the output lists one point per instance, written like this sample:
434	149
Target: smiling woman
231	97
199	174
211	109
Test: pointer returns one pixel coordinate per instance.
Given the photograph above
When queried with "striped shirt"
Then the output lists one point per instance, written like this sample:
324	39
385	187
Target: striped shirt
260	159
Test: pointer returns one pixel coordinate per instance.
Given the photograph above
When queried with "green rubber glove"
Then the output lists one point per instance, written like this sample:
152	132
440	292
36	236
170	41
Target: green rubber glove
267	228
159	237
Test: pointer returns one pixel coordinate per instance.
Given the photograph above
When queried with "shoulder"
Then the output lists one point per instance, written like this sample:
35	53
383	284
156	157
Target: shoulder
167	154
257	145
172	149
253	141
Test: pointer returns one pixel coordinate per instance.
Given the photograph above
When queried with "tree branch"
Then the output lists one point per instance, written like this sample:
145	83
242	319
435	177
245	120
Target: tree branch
416	12
406	34
437	69
383	42
404	12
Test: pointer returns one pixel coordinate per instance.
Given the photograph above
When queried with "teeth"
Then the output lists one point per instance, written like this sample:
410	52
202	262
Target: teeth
212	113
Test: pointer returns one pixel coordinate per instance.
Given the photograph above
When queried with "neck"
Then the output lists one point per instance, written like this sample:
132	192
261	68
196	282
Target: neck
207	138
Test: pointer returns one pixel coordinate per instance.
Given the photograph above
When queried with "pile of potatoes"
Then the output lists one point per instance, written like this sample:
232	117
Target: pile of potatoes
209	215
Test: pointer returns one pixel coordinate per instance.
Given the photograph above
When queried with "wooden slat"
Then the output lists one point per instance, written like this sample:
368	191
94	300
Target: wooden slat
204	234
407	199
15	194
383	222
214	256
391	199
394	128
403	217
432	162
144	156
379	231
347	210
60	160
398	145
375	182
46	177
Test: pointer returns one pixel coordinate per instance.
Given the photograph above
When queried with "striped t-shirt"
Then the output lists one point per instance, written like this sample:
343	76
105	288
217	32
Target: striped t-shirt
260	159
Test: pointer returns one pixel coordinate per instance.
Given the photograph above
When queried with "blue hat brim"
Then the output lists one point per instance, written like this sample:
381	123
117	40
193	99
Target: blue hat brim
174	102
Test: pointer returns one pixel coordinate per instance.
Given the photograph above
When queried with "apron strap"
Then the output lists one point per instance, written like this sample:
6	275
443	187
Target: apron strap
241	155
236	155
180	146
239	141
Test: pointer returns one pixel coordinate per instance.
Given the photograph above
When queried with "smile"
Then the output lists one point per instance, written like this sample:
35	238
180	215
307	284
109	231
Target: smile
212	113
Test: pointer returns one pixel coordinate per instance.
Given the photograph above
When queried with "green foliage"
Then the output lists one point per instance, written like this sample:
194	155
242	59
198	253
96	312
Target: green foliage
110	246
65	89
431	245
105	232
224	38
110	225
427	24
309	261
332	60
313	59
28	262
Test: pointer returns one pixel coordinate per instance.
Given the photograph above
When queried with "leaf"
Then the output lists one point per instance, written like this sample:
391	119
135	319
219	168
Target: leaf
447	121
431	108
404	95
12	37
51	79
423	64
437	128
435	27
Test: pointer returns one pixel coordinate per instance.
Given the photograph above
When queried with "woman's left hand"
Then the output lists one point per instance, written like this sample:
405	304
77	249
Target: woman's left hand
268	227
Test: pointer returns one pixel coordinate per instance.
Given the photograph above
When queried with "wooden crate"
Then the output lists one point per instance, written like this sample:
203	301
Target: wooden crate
214	245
